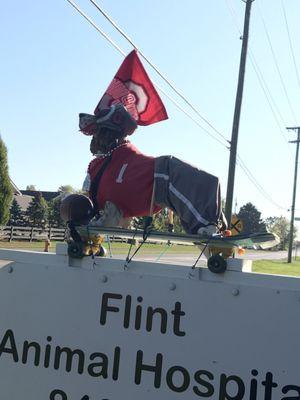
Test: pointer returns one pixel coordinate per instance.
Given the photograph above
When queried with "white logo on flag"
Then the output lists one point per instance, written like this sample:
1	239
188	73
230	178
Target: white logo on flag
132	95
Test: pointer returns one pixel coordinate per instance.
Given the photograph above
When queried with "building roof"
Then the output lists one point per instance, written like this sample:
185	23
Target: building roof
15	188
23	201
48	196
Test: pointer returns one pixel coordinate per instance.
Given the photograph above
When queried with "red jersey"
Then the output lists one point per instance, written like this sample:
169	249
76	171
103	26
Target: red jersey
127	181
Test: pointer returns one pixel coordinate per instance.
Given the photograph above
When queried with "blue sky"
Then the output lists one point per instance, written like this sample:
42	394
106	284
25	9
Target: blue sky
55	65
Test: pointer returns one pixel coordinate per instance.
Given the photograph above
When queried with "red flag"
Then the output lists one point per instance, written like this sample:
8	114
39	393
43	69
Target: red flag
132	87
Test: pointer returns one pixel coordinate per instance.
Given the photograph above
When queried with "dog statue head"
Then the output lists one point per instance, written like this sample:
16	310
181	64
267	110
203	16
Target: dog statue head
109	127
105	140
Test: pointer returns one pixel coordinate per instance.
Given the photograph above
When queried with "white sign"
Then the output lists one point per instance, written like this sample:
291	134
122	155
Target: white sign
150	332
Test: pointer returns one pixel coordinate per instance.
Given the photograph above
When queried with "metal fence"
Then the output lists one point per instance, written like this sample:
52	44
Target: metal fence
10	233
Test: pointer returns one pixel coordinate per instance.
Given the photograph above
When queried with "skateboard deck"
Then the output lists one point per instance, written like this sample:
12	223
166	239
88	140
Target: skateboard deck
87	241
261	240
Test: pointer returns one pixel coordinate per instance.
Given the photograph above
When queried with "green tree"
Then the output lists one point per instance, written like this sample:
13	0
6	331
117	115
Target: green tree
54	218
251	218
160	222
16	217
37	211
280	226
6	190
177	225
163	222
67	189
31	187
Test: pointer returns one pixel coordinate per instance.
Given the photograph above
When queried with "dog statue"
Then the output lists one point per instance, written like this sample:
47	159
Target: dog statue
123	183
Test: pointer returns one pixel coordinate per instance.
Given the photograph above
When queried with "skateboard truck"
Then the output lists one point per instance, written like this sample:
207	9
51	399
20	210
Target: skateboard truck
217	262
81	245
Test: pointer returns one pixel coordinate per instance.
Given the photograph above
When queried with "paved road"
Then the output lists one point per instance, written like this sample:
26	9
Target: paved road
265	255
189	259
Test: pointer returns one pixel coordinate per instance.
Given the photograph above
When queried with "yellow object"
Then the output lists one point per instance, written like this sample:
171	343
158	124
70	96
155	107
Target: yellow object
241	251
237	225
92	244
224	252
47	245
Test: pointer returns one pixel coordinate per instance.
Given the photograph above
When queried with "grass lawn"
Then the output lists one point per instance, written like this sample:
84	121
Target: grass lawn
26	245
277	267
116	247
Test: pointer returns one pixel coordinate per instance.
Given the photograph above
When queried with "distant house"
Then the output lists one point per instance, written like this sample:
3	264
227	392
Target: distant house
15	188
24	197
48	196
23	201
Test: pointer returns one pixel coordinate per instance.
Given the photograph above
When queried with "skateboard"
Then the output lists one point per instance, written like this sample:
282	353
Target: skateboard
219	247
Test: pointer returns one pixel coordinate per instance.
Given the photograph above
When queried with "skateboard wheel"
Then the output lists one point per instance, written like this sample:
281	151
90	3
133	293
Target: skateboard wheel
217	264
75	250
102	252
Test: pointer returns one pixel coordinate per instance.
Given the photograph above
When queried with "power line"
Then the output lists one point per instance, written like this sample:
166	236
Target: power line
241	163
266	90
248	173
270	99
96	27
191	117
257	185
233	156
276	64
290	42
159	88
157	70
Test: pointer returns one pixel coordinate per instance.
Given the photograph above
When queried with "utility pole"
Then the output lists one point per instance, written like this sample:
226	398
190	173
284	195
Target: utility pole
294	193
237	113
235	205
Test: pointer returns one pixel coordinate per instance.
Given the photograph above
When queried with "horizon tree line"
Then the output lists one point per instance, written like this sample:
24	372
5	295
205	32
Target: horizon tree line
41	213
